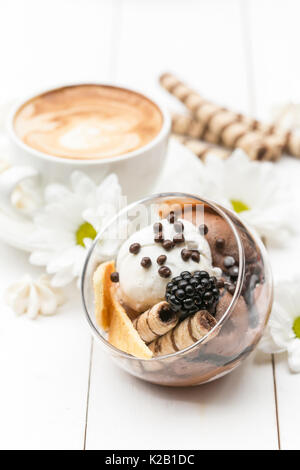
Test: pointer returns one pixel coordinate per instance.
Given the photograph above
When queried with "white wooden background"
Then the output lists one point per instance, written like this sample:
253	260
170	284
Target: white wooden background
57	389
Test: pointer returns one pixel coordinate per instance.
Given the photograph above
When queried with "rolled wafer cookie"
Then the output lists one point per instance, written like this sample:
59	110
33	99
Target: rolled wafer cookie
236	135
291	139
216	118
155	322
202	149
186	333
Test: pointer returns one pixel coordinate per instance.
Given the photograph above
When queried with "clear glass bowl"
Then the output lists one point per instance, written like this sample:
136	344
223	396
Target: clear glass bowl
247	311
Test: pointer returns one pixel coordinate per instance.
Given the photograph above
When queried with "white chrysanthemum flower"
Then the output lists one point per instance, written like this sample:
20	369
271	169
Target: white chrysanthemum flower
283	330
69	222
254	190
28	197
34	298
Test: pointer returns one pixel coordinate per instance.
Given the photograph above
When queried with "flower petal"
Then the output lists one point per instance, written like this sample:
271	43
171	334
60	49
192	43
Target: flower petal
259	185
268	345
294	355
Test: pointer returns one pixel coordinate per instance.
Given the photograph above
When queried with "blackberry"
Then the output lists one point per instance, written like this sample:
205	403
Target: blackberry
191	292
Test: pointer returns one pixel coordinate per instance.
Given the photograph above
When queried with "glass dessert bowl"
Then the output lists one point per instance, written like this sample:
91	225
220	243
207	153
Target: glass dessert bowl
177	290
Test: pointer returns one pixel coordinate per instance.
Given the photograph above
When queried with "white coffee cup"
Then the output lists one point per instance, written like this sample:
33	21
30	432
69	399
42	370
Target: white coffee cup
137	171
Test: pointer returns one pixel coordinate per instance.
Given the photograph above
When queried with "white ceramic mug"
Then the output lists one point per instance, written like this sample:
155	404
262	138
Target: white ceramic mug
137	171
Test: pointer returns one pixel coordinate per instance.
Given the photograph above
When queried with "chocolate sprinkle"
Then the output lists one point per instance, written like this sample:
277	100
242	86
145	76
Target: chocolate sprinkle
203	229
178	238
157	227
220	243
164	271
146	262
135	248
229	261
233	271
114	277
220	283
171	217
196	256
178	227
186	254
161	260
159	238
168	245
231	289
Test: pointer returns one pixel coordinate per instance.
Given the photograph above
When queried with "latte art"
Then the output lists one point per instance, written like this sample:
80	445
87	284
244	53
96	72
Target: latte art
88	122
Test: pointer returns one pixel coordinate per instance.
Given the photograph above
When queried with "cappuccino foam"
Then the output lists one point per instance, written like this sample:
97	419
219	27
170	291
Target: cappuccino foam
88	122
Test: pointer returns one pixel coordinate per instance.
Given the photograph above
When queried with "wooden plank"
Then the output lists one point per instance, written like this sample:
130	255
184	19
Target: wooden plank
198	40
203	43
53	42
44	367
275	37
288	386
235	412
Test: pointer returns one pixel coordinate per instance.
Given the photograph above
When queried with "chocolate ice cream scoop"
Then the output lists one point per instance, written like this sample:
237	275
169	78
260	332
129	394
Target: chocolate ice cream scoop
229	341
223	244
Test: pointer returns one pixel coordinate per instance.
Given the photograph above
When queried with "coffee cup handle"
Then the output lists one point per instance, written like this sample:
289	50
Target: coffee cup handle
9	179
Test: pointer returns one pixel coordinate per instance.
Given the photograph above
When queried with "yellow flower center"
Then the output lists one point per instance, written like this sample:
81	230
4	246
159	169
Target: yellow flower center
239	206
296	327
85	230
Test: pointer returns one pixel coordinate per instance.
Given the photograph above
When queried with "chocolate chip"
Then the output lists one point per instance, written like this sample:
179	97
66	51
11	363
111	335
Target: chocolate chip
114	277
161	260
220	283
135	248
178	238
178	227
203	229
186	254
233	271
159	238
171	217
168	245
220	243
164	271
229	261
231	289
157	227
146	262
196	256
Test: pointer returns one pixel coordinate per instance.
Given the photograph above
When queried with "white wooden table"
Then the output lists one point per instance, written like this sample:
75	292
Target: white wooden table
57	388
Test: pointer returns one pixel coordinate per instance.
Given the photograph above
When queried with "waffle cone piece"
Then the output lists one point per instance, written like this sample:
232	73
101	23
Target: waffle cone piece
101	282
155	322
219	125
122	333
111	315
186	333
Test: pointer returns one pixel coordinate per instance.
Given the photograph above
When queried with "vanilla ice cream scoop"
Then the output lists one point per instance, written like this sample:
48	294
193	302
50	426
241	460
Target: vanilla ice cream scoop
141	287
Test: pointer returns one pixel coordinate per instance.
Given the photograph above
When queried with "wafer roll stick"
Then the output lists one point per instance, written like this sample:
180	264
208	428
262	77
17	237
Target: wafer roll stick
202	149
235	135
291	139
155	322
201	109
186	333
216	118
